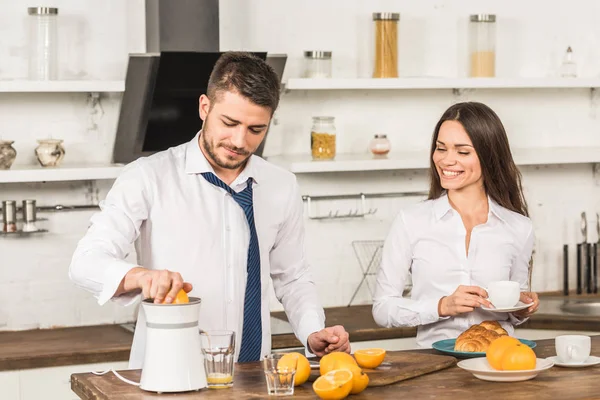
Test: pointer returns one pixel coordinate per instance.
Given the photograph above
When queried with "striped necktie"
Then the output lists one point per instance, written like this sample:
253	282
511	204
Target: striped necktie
252	328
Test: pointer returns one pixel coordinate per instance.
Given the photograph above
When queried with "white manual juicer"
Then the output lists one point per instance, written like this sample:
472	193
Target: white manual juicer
173	360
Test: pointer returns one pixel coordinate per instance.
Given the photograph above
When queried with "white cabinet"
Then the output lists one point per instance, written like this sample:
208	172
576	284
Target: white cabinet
9	384
47	383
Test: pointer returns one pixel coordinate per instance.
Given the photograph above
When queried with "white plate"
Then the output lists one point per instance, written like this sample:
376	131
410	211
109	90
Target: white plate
592	360
481	369
520	306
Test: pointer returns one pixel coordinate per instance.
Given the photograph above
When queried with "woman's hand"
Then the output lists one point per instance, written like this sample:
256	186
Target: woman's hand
527	298
465	299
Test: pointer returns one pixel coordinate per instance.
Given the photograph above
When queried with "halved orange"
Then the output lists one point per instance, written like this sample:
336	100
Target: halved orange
369	358
335	360
334	385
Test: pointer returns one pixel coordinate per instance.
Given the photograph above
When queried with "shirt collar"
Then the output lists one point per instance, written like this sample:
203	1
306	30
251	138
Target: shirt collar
196	162
442	206
497	210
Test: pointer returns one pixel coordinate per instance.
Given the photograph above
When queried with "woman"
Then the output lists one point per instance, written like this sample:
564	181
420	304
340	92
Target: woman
474	229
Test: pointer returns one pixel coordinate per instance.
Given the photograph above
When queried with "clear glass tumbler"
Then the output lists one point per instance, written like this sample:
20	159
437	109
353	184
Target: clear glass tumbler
218	348
280	377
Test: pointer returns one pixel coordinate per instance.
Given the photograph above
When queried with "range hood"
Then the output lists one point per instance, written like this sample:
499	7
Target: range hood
160	103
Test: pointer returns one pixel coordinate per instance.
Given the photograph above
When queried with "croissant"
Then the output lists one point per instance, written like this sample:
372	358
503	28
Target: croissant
479	337
494	326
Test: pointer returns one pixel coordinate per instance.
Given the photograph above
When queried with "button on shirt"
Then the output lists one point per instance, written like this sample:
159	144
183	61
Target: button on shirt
428	241
183	223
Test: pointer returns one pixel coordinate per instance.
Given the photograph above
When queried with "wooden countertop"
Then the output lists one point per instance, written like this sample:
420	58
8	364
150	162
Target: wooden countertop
358	321
556	383
66	346
106	343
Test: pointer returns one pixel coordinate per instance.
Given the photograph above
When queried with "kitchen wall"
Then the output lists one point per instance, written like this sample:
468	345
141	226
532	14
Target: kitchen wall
34	289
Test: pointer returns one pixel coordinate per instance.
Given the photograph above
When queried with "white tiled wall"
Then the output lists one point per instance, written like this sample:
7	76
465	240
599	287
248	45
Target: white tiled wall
34	290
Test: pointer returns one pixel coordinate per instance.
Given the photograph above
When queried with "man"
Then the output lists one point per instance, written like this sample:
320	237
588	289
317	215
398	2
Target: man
212	213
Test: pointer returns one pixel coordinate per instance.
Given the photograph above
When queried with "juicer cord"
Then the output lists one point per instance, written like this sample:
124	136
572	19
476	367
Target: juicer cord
117	375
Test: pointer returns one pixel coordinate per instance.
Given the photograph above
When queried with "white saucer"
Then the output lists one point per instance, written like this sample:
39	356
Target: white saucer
520	306
481	369
592	360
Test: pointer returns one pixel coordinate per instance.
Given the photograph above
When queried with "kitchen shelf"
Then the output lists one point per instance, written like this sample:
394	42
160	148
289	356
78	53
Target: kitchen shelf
420	160
56	86
62	173
22	233
439	83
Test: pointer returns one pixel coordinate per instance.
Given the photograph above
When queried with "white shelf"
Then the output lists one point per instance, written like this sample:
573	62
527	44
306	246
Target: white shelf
63	173
420	160
24	86
440	83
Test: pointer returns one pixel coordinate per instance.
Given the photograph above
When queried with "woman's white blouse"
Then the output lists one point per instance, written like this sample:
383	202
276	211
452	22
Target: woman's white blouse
428	241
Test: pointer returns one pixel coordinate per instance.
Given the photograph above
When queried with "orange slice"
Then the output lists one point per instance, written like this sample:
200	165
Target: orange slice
369	358
334	385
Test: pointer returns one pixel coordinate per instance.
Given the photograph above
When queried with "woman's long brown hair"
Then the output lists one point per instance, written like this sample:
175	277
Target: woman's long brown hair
501	177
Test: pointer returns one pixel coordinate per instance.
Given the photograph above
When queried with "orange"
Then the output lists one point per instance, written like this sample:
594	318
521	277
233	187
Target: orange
181	298
334	385
300	362
336	359
369	358
495	352
360	380
518	358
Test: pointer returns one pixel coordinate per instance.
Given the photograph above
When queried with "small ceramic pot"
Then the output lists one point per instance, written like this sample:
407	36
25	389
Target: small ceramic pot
50	152
7	154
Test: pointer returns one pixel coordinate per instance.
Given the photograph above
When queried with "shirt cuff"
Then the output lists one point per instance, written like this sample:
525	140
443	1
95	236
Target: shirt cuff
428	311
114	274
516	321
309	323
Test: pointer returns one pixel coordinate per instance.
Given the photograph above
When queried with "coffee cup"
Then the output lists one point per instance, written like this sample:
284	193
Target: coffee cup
504	294
573	349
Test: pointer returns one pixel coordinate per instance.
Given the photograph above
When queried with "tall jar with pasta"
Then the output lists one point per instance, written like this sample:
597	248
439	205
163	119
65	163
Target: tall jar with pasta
322	138
386	45
482	43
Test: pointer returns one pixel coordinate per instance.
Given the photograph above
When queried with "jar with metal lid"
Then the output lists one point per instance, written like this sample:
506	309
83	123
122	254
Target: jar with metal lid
43	43
386	45
322	138
317	64
9	215
380	145
29	216
482	45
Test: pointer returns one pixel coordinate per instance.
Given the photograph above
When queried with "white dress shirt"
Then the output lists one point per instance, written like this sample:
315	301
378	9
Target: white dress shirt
183	223
428	241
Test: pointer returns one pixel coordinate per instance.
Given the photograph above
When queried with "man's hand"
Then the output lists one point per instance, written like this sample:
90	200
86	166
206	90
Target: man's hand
327	340
528	298
158	285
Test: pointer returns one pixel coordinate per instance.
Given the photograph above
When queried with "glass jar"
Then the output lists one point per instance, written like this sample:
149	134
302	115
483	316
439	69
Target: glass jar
322	138
317	64
43	43
9	215
386	45
482	45
380	145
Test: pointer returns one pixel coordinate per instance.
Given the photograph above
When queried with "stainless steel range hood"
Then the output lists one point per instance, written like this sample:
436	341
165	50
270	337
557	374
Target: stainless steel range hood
160	104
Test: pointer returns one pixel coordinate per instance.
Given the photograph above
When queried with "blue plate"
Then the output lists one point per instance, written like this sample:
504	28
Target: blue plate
447	346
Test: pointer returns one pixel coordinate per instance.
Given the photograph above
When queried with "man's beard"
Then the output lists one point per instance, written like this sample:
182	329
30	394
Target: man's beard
211	151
